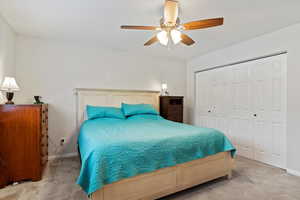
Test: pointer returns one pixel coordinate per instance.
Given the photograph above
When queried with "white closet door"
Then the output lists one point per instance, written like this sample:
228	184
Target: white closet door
247	102
268	106
241	113
222	103
209	99
202	100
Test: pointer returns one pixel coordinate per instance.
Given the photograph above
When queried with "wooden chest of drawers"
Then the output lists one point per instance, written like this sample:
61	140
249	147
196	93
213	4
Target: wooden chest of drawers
23	142
171	108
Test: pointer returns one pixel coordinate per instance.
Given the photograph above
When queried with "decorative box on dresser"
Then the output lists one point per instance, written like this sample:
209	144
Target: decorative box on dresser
171	108
23	142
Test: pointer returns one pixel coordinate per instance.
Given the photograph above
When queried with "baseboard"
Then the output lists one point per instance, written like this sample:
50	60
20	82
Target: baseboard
66	155
293	172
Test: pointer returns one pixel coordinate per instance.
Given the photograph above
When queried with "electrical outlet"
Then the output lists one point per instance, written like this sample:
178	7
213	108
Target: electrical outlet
62	141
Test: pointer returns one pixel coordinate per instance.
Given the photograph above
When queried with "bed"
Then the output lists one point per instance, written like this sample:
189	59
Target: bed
144	156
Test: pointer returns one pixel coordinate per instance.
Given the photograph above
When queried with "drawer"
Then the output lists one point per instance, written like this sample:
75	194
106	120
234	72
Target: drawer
44	120
44	131
44	149
195	171
44	108
140	186
175	111
175	106
44	140
176	101
175	114
44	153
44	115
44	160
175	118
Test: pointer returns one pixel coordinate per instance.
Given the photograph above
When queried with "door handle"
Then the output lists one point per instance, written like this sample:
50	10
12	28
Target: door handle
209	111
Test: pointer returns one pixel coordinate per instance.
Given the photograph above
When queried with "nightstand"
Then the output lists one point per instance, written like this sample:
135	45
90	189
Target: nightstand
171	108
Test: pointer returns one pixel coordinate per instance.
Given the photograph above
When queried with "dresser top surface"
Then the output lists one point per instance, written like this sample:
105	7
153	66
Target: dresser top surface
169	97
15	106
22	104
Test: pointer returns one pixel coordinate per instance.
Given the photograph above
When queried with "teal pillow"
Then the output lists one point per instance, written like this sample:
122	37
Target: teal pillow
136	109
94	112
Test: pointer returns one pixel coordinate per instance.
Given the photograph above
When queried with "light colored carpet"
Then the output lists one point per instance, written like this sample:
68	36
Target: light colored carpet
251	181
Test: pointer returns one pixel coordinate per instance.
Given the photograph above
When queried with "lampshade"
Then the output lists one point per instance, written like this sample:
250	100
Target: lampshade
176	36
164	86
9	84
163	37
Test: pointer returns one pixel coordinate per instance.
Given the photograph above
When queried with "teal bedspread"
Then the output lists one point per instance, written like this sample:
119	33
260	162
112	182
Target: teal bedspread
114	149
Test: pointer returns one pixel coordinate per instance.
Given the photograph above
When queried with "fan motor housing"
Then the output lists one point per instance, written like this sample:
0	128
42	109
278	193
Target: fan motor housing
170	12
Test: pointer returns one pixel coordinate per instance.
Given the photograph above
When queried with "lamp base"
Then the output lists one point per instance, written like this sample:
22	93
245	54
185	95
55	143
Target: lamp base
9	96
165	93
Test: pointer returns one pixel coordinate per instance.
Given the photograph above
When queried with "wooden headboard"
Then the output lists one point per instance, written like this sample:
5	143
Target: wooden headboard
111	97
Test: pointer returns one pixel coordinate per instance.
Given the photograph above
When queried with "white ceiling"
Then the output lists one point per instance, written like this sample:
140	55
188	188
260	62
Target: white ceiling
98	21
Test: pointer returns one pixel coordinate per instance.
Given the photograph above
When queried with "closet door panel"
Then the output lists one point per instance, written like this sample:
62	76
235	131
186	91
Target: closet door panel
218	109
267	103
244	136
203	98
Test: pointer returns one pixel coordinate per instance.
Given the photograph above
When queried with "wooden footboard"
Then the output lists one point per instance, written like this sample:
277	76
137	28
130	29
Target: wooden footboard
169	180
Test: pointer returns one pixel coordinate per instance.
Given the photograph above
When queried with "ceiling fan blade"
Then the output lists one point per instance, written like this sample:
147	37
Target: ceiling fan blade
151	41
186	39
140	27
171	12
206	23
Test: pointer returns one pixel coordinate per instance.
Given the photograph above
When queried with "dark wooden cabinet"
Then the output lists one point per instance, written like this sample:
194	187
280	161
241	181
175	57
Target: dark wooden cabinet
23	142
171	108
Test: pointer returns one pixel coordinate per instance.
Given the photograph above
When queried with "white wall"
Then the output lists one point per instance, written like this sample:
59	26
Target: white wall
7	52
53	69
286	39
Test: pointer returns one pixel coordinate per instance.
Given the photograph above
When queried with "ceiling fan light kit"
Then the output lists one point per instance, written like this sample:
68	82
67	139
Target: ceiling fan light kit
170	27
176	36
163	37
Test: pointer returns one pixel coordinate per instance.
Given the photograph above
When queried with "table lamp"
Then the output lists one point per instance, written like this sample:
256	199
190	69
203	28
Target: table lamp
9	85
164	89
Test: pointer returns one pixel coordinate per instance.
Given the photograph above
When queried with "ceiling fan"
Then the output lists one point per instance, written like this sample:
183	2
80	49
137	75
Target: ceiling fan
170	27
